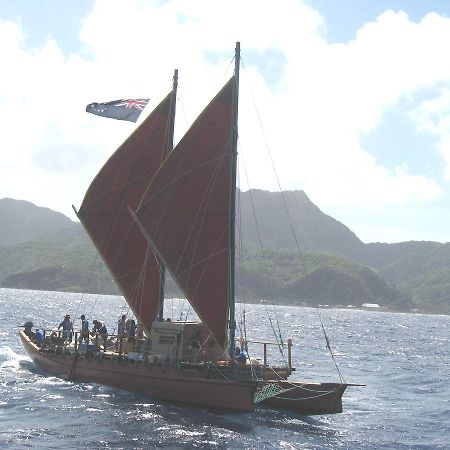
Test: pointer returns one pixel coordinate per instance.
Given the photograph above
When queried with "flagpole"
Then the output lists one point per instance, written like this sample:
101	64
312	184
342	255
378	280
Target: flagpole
169	149
234	138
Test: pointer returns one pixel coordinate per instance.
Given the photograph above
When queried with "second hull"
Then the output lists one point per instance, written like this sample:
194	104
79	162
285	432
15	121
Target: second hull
308	398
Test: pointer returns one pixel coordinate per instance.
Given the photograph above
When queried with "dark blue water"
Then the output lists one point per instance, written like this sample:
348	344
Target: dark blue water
403	359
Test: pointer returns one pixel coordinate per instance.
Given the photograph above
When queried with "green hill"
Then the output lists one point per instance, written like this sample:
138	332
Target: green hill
314	230
64	260
23	221
334	267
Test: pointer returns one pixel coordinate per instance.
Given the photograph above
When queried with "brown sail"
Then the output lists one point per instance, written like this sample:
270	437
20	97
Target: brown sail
185	213
104	212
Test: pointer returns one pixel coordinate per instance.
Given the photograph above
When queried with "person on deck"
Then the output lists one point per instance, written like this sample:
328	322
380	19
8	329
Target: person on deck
195	341
28	330
67	328
131	331
39	337
240	357
121	331
140	331
195	345
121	326
84	333
100	329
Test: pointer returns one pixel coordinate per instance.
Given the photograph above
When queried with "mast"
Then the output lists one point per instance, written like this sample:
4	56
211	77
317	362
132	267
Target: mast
234	137
169	149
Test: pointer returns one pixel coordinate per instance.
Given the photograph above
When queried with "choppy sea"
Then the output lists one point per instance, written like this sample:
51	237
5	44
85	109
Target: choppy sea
403	359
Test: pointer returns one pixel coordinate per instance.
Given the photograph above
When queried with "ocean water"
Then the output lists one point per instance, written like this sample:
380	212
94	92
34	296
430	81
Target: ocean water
403	359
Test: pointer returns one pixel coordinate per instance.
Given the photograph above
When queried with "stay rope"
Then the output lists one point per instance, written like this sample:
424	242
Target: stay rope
294	235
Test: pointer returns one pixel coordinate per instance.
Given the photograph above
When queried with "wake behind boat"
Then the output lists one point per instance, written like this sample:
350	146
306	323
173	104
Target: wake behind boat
152	208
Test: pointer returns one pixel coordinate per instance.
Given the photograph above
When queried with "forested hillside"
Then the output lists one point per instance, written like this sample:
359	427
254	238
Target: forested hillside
22	221
332	268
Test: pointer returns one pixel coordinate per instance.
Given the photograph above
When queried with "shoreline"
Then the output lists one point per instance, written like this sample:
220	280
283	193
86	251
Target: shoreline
381	309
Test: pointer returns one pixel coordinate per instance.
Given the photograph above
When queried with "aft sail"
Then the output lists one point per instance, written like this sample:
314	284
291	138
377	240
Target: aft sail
185	212
105	214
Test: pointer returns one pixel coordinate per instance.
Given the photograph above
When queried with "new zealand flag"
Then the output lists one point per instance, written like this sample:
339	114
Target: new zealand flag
119	109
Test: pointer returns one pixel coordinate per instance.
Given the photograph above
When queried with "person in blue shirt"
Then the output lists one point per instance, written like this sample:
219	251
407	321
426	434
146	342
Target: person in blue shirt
39	337
67	327
240	356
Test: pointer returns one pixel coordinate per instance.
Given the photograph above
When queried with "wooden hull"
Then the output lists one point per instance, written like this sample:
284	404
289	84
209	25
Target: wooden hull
308	398
189	386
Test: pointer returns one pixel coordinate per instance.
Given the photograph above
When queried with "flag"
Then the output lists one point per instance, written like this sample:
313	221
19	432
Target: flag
119	109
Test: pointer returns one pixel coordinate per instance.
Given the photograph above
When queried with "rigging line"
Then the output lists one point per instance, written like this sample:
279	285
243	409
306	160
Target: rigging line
188	310
97	271
239	256
267	147
185	309
136	295
245	332
205	259
329	346
75	359
260	240
278	340
140	287
265	263
149	253
180	101
299	250
78	310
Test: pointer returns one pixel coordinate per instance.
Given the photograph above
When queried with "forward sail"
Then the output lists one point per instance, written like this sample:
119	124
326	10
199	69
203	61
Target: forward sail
120	185
185	213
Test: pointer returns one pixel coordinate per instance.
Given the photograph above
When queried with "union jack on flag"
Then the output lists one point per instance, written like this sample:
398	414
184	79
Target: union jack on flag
137	103
129	109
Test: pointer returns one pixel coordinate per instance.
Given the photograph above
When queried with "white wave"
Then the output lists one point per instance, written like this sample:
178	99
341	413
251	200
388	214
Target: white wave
147	416
52	397
181	432
13	359
52	381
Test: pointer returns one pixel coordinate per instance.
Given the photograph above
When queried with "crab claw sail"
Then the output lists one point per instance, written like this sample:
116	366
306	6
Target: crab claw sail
120	185
185	213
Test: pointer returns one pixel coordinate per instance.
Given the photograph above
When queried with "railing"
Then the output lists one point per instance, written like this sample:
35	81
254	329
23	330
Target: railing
59	339
277	344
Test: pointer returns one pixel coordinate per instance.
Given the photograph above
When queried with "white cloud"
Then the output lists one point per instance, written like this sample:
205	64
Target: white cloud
433	116
328	96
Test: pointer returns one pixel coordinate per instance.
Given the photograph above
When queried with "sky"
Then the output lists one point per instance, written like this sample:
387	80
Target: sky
348	101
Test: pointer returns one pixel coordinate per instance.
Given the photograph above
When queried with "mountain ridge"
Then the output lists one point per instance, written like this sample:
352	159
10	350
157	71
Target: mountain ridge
403	275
